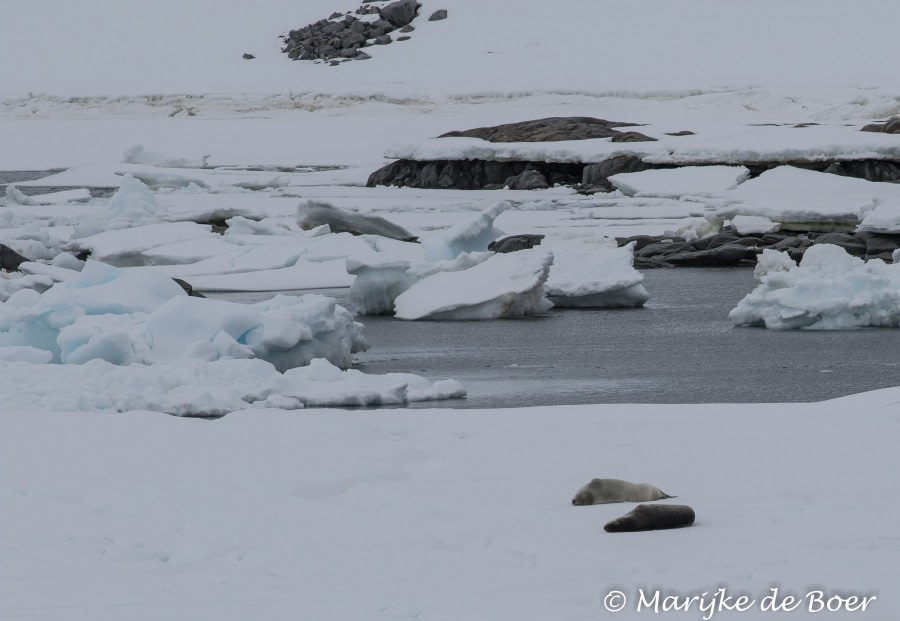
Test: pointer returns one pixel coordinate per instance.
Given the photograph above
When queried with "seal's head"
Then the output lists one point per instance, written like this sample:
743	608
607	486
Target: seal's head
583	497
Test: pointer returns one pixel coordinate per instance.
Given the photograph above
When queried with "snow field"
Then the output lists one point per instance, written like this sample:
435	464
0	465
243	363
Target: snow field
439	514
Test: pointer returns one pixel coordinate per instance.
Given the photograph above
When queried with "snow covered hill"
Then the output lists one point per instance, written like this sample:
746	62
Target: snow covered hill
106	47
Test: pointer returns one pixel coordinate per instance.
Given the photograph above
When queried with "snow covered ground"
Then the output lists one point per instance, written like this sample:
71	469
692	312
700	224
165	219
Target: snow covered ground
111	511
443	514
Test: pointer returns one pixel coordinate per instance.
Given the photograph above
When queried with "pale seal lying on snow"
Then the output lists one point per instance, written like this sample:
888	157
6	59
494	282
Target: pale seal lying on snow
602	491
652	517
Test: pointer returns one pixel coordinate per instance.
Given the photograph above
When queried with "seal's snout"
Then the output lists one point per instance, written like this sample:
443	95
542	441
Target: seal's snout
575	501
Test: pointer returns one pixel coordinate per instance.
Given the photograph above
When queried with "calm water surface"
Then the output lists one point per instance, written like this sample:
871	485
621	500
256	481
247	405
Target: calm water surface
681	348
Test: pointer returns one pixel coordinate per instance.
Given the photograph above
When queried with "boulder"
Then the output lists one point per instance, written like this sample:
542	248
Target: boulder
551	129
846	241
527	180
598	174
399	13
632	137
438	15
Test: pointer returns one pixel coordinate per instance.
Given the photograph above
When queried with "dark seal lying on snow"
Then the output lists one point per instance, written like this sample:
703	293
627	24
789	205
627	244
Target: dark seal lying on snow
652	517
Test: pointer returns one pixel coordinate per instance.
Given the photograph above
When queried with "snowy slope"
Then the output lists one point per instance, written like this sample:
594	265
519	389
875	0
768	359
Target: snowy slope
116	48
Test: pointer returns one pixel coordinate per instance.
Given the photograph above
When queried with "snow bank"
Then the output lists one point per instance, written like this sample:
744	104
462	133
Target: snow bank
805	199
753	225
598	275
829	290
678	182
884	218
471	235
127	316
506	285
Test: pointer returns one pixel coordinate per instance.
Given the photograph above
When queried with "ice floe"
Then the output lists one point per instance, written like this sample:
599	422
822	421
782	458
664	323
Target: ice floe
138	315
594	274
828	290
679	182
506	285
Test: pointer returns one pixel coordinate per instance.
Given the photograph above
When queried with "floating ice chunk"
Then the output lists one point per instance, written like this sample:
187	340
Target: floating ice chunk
471	235
16	196
127	316
24	353
11	283
280	181
807	200
753	225
200	388
139	155
677	182
377	284
506	285
133	204
829	290
159	180
884	218
124	247
594	275
239	225
314	213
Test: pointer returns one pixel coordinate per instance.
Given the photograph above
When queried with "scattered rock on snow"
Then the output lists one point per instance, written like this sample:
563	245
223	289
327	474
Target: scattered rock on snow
438	15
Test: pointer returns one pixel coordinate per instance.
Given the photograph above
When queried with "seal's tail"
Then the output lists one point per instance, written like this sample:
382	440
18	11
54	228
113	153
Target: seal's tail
665	495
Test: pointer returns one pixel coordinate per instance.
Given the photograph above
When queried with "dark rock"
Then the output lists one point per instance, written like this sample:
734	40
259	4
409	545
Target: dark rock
727	255
515	242
588	189
543	130
403	38
878	243
649	263
383	39
384	25
400	13
802	125
527	180
362	56
10	260
351	38
438	15
870	170
891	126
349	53
641	241
791	242
684	132
248	56
599	173
844	240
632	137
408	28
664	248
188	288
714	241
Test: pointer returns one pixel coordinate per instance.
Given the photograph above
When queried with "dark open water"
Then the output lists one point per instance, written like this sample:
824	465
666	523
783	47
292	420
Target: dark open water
681	348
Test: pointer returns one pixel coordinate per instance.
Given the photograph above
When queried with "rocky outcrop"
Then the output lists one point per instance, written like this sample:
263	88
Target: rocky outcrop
891	126
727	248
341	37
470	174
552	129
586	177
